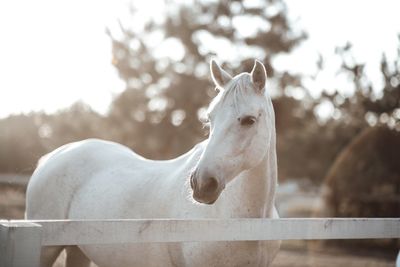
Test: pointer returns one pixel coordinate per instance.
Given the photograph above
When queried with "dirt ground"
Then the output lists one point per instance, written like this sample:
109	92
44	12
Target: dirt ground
293	254
302	258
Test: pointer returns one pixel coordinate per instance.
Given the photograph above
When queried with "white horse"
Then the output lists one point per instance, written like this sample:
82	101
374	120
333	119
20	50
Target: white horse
234	170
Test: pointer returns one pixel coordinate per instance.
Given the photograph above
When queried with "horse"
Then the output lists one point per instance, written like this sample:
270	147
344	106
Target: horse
231	174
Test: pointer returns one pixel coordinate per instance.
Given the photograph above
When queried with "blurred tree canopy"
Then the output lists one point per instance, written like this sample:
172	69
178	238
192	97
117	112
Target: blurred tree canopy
158	113
20	144
25	138
165	67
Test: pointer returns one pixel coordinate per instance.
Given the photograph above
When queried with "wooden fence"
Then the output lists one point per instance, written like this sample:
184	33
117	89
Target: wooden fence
21	240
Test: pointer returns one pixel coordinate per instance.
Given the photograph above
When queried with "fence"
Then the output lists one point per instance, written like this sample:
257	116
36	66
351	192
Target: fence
21	241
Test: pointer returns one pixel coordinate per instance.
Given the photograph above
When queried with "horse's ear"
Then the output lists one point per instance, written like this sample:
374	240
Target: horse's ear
259	75
219	76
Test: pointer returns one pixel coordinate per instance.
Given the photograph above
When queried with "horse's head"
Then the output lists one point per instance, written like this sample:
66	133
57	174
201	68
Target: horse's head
241	121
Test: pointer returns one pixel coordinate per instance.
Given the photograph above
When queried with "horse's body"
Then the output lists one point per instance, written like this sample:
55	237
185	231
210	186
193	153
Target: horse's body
96	179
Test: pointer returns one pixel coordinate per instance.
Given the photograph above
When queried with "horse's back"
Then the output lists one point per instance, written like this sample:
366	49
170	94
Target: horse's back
65	170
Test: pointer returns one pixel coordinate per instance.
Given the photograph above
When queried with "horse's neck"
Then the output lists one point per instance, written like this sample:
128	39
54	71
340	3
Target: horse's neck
253	193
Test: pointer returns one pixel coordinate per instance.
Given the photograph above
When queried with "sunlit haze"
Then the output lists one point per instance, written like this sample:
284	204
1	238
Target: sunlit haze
54	53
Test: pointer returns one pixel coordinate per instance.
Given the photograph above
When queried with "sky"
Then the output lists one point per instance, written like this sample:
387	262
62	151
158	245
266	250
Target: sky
371	26
54	53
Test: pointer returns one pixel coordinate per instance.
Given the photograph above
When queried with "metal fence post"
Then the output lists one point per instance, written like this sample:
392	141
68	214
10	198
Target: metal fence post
20	244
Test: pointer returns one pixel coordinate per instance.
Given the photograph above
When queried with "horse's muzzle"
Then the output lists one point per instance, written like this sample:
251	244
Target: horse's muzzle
205	190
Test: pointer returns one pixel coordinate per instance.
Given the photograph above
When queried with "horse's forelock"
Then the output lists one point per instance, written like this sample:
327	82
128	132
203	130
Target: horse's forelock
238	89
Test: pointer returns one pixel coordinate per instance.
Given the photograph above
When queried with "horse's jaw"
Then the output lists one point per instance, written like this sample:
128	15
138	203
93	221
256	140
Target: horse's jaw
251	194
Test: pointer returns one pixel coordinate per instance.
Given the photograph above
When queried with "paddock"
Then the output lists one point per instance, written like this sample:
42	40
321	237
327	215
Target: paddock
21	240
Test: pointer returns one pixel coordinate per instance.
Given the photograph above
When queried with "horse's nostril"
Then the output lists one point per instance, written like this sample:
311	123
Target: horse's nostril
192	182
210	185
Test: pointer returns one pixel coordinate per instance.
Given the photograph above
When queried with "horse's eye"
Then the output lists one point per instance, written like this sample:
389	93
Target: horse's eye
248	120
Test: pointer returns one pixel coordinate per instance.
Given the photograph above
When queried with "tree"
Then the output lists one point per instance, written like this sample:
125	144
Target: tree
75	123
318	144
20	144
367	108
166	95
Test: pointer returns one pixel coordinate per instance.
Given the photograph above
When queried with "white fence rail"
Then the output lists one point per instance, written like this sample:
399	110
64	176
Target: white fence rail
20	241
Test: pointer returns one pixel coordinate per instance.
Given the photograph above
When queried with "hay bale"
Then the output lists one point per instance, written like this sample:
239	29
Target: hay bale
364	180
